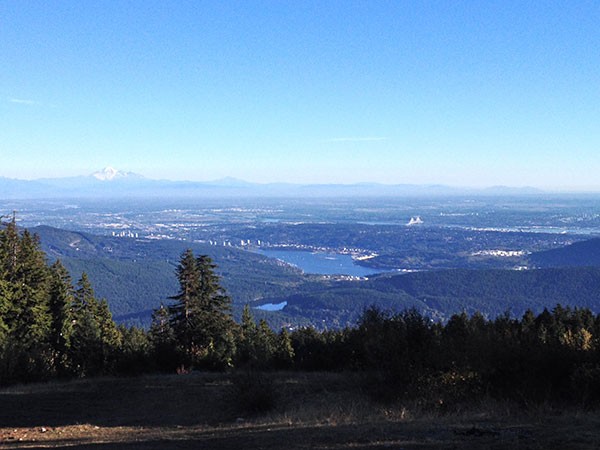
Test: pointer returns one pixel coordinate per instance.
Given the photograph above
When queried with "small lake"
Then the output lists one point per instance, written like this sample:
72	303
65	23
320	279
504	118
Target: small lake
272	306
321	263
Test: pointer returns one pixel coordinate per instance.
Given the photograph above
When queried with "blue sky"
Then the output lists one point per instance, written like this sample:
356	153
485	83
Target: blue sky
472	93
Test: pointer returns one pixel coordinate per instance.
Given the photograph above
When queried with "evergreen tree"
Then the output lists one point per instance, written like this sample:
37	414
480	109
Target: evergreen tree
95	336
29	283
61	304
284	351
134	355
201	317
266	341
185	313
47	328
85	348
258	346
161	329
110	337
9	243
162	341
5	302
219	326
246	343
26	317
84	295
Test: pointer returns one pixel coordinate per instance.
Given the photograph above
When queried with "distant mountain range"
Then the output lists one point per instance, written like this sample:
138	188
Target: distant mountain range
111	182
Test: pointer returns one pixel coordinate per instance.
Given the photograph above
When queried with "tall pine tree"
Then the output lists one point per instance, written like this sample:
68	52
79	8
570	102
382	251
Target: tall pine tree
26	316
201	316
162	341
95	339
61	311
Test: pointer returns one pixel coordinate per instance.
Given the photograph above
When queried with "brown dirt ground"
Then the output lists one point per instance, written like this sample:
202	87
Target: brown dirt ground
310	411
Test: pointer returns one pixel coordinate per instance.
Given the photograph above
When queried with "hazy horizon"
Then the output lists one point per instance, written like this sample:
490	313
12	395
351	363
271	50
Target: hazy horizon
234	180
466	94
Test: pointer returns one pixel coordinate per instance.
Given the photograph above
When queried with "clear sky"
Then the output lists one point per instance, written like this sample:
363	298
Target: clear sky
471	93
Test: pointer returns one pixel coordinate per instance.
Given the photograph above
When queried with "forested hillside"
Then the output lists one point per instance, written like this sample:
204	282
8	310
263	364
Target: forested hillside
136	276
439	294
494	292
579	254
51	328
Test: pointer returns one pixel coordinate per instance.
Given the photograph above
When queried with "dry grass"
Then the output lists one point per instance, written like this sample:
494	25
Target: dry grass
309	410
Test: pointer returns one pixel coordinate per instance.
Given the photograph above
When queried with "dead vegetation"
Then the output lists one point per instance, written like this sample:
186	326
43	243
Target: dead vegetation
301	411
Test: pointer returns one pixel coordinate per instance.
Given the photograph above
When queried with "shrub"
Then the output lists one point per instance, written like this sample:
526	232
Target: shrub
253	393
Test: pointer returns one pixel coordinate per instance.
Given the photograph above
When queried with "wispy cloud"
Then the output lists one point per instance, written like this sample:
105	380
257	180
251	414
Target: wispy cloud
356	139
22	101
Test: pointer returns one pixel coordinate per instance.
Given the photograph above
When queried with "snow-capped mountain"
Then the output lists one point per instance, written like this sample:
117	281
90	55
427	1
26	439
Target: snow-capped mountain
110	174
